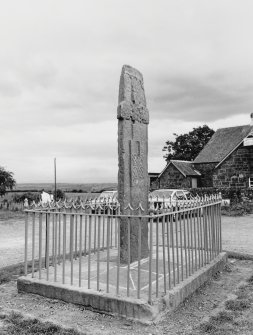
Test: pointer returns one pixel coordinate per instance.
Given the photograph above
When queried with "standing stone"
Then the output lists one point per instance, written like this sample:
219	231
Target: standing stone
133	185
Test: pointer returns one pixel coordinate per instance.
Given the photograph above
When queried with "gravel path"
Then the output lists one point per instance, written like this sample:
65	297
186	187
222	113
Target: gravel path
12	241
237	233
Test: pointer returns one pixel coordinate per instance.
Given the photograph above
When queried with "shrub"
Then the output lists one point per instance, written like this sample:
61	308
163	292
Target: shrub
30	196
234	194
60	195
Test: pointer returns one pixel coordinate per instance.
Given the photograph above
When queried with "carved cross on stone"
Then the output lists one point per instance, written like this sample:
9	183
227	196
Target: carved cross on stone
133	185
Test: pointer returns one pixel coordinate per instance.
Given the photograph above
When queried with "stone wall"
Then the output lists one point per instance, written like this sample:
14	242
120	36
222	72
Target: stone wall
233	172
206	170
172	178
236	170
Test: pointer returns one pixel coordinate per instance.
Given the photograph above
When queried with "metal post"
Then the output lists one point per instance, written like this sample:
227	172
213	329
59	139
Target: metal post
26	241
150	262
40	244
33	243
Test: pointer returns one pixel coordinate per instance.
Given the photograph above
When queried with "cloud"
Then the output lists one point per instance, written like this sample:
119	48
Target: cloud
201	99
60	69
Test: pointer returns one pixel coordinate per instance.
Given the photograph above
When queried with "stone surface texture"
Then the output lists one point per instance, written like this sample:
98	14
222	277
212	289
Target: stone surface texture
233	172
133	182
172	178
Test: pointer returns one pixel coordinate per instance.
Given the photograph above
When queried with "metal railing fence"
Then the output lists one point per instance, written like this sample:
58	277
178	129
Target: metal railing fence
77	246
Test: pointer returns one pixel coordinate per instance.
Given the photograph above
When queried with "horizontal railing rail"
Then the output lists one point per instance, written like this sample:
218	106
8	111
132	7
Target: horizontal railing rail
83	248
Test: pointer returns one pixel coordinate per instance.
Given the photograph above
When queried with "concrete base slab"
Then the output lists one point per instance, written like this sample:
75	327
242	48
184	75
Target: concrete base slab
184	289
128	307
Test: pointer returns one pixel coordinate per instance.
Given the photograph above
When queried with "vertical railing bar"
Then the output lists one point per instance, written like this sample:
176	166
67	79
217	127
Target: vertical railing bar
195	238
103	232
64	248
185	244
201	223
47	244
40	244
164	255
95	231
168	218
26	241
173	251
108	253
53	237
205	236
139	259
177	251
111	228
85	234
72	230
215	229
220	232
150	262
157	256
70	218
33	242
89	251
98	249
59	239
188	240
181	244
118	258
218	236
209	233
80	248
55	251
76	233
128	253
198	234
116	230
192	249
212	230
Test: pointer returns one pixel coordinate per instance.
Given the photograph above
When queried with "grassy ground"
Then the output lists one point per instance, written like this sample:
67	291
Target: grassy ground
16	324
209	310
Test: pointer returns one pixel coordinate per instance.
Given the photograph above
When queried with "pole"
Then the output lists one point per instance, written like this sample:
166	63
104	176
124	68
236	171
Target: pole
55	179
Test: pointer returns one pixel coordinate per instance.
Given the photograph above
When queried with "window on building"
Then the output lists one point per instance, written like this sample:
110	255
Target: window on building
251	182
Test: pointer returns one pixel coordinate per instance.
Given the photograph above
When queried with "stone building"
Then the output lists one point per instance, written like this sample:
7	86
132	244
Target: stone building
226	161
177	174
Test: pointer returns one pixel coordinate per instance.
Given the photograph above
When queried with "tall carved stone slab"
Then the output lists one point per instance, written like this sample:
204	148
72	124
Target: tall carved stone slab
133	186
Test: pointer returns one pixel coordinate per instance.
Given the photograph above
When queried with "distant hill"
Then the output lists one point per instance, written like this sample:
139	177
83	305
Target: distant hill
66	187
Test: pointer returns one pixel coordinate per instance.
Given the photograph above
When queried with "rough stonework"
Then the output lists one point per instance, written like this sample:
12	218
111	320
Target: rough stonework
172	178
133	182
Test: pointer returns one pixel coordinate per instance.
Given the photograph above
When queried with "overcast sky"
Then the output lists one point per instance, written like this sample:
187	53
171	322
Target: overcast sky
60	64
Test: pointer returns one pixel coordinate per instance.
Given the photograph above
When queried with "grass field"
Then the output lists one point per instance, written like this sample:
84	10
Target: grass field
72	191
67	187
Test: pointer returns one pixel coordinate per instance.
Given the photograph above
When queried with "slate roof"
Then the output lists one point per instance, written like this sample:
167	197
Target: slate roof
223	142
185	167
